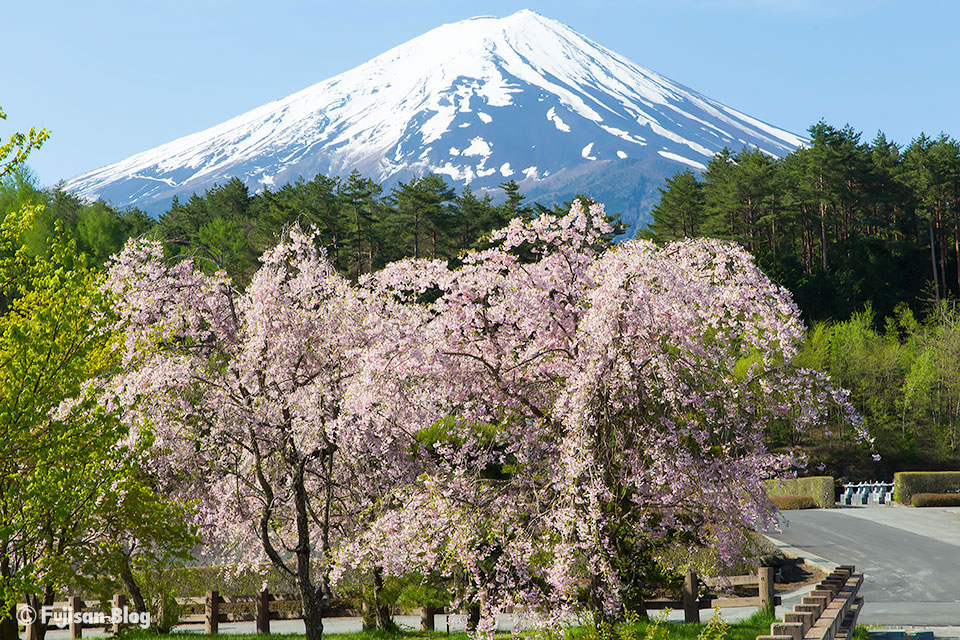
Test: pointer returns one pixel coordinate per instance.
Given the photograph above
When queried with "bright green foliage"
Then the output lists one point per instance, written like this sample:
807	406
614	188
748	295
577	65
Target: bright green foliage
906	484
14	152
716	629
73	505
52	339
98	229
817	488
904	380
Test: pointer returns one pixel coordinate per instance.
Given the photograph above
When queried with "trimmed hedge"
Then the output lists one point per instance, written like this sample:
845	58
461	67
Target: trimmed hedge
791	503
936	500
818	488
907	483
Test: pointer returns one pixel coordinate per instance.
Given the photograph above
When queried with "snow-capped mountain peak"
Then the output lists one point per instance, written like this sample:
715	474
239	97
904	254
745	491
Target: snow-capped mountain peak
477	101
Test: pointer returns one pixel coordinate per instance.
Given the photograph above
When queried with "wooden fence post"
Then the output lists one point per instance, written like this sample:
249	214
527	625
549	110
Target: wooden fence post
211	612
75	606
765	575
691	608
119	600
263	611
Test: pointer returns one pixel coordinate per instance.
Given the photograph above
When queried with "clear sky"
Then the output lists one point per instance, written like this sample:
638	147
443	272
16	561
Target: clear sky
111	78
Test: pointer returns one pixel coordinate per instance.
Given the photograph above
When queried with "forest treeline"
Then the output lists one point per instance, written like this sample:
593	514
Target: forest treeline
362	226
840	223
865	236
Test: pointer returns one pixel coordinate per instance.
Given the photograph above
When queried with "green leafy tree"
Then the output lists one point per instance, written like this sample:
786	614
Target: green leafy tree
15	150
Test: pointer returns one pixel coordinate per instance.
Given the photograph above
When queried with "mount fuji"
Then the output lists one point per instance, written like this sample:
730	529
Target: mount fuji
479	102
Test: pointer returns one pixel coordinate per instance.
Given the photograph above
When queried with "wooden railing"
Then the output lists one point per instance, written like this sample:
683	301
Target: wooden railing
692	602
829	612
70	607
244	608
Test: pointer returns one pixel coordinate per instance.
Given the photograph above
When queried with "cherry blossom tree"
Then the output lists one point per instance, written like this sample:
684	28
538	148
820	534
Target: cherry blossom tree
592	402
532	422
247	397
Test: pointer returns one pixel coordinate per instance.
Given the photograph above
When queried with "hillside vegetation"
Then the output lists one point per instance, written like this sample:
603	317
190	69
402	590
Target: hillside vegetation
866	236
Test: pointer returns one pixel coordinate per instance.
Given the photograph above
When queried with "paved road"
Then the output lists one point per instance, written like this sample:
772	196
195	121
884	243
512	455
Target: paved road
910	558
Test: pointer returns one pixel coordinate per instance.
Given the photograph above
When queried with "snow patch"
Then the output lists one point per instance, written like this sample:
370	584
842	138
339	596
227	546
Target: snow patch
557	122
437	125
531	173
585	152
505	170
483	116
454	151
166	181
673	156
478	147
456	173
621	154
624	135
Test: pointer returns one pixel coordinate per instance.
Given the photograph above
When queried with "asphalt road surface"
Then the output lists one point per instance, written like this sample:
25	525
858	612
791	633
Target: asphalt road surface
910	558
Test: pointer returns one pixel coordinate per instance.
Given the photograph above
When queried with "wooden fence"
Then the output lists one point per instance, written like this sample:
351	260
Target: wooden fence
260	608
70	607
692	602
829	612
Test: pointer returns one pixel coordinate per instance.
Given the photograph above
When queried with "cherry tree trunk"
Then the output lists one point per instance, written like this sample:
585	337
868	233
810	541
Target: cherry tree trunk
382	610
473	617
311	598
312	612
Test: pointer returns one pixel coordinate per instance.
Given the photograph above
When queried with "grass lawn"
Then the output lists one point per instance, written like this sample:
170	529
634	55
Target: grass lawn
749	629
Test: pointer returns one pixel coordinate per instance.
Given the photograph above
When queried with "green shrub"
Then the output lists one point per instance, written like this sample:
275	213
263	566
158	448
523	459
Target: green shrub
159	587
907	483
936	500
818	488
790	503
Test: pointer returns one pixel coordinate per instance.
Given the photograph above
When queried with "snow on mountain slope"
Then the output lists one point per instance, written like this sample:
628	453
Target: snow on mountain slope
478	101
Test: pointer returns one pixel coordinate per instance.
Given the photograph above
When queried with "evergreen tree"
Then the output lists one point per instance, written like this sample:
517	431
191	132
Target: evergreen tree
421	209
679	213
358	194
514	205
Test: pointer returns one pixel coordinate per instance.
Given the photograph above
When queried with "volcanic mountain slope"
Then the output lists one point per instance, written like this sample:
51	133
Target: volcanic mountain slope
479	101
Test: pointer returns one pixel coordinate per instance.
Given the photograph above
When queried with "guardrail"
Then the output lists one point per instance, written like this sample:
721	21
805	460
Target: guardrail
692	602
829	612
867	492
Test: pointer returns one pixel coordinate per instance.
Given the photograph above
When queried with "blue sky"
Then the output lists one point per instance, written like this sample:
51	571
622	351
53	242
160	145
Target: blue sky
111	78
